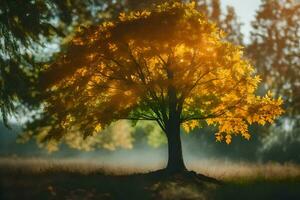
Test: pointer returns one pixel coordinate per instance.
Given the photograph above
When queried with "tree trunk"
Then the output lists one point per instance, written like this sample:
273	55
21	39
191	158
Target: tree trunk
175	159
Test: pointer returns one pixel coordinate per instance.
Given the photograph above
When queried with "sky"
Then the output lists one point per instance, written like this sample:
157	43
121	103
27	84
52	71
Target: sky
245	10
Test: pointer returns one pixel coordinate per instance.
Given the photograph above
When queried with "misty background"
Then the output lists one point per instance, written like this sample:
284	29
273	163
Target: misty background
198	145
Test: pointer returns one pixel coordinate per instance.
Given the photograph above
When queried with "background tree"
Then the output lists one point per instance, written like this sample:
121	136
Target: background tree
27	28
232	27
275	51
182	72
227	21
21	24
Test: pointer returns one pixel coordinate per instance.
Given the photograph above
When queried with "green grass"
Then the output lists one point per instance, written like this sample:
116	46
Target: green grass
72	179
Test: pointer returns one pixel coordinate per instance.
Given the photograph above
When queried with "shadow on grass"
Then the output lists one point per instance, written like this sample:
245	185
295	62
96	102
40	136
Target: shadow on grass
57	184
70	185
260	190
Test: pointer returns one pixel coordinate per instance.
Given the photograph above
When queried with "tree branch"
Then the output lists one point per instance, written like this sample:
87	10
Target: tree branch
137	118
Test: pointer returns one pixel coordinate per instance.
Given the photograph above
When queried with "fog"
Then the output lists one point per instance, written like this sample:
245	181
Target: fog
198	146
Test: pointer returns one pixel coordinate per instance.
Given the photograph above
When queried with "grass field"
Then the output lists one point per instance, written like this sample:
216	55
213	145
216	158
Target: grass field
84	179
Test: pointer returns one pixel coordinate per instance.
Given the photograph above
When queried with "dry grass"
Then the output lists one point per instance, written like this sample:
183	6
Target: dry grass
81	166
222	170
243	171
88	179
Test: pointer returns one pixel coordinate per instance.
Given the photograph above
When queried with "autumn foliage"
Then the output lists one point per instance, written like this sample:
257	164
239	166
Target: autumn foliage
170	65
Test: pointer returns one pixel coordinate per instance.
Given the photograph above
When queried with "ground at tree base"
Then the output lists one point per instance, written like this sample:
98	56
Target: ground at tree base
63	184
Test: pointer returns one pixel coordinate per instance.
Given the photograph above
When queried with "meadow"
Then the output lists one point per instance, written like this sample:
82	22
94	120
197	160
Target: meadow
85	179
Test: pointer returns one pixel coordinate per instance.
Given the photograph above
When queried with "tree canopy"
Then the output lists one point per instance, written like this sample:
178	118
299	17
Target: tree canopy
147	65
28	26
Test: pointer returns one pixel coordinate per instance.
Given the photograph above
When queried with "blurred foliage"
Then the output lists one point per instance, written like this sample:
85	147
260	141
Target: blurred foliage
275	51
154	134
227	21
21	25
26	28
117	135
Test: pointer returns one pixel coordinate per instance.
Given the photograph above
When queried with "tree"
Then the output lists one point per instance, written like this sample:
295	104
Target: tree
275	50
26	27
169	65
21	24
232	27
227	21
